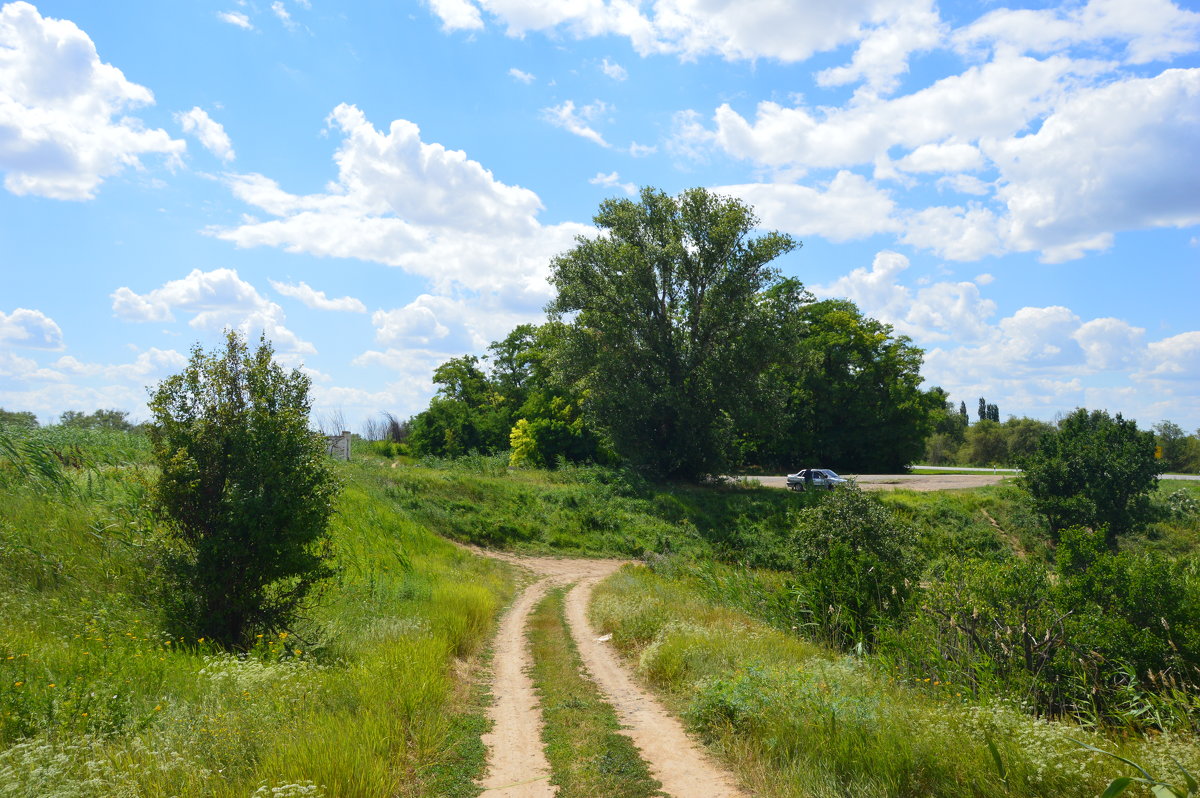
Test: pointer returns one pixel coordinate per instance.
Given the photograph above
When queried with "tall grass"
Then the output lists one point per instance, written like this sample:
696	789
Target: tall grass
369	696
798	720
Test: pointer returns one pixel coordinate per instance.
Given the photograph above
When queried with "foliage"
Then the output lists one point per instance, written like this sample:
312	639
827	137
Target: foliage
1095	471
247	487
986	443
97	419
464	417
1180	451
856	565
1105	638
18	418
849	392
667	335
795	720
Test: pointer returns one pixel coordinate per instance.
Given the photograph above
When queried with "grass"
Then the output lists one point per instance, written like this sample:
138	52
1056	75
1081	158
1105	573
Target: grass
369	696
796	720
588	754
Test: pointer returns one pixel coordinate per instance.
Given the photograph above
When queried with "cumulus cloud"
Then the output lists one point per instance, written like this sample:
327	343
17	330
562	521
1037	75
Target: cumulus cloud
1107	159
208	132
30	328
280	10
613	180
731	29
317	300
524	77
457	14
1150	30
216	299
150	365
64	114
847	207
577	122
403	202
882	54
936	312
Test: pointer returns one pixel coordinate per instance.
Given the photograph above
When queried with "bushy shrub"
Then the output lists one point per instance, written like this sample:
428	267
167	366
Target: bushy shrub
1105	638
856	564
247	487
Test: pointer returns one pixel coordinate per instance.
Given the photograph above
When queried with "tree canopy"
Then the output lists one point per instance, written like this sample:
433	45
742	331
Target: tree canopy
665	331
1095	471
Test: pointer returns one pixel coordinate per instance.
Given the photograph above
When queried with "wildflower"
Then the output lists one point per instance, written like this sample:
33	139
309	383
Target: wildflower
18	684
52	684
199	639
158	707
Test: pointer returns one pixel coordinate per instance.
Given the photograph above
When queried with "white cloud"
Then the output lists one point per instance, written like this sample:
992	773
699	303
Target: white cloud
572	121
209	133
955	233
641	150
882	54
965	184
1110	343
24	369
218	299
29	328
993	100
613	70
984	279
1108	159
236	18
847	207
937	312
151	365
613	180
524	77
689	29
64	123
317	300
431	211
948	156
457	14
1176	358
1151	30
281	11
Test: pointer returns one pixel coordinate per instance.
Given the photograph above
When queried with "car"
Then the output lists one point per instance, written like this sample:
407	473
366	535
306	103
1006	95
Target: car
814	478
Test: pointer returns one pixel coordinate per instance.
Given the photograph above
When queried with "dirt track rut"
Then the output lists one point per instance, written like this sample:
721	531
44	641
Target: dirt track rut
517	766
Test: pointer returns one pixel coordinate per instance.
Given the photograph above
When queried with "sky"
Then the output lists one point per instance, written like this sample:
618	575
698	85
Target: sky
380	186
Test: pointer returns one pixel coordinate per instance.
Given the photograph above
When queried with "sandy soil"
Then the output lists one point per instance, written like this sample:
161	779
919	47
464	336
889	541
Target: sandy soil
921	482
517	767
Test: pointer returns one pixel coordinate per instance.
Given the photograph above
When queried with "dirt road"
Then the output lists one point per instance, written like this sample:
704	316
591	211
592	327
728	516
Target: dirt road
921	482
517	766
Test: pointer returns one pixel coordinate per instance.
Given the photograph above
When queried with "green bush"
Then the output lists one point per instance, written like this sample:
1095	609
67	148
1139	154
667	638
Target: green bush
248	489
856	564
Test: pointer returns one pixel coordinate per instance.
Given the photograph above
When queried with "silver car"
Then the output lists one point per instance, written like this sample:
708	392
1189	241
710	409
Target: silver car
814	478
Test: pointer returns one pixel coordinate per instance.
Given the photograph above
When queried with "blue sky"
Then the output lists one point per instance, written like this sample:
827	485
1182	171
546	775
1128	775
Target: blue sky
380	185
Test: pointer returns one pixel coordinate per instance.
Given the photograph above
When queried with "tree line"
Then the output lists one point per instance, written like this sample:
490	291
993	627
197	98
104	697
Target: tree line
674	346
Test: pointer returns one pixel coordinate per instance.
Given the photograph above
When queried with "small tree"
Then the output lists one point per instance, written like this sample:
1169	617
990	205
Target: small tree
248	488
1095	471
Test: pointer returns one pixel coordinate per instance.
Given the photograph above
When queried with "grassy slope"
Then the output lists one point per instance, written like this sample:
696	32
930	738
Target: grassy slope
796	720
363	699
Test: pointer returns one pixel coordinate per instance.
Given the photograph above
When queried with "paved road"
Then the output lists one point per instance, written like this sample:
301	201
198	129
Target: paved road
977	477
921	482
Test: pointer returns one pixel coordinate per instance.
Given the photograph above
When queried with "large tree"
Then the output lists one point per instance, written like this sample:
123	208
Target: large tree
666	332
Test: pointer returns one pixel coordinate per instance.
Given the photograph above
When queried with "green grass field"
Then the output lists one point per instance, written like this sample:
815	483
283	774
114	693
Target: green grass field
370	696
